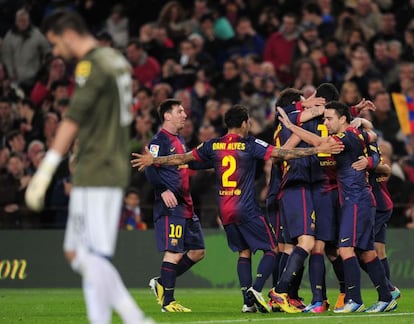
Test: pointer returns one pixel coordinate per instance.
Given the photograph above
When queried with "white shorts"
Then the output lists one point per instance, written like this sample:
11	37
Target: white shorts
93	220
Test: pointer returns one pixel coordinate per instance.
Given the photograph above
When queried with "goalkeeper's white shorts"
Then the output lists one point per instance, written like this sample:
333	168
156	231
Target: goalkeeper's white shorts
93	220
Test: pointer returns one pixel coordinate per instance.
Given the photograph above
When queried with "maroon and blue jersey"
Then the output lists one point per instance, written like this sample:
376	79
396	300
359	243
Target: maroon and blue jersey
166	177
322	165
297	171
378	181
353	184
235	159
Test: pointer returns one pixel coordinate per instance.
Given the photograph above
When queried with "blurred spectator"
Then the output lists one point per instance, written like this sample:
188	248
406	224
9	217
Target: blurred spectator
142	133
305	73
156	42
8	119
350	94
24	49
59	90
173	18
308	39
13	212
188	134
144	103
324	23
246	41
34	149
383	62
405	78
404	14
268	21
131	216
374	85
387	32
408	50
336	62
17	145
55	70
4	156
368	16
105	39
385	120
50	125
361	69
145	68
228	84
279	48
8	89
161	92
117	26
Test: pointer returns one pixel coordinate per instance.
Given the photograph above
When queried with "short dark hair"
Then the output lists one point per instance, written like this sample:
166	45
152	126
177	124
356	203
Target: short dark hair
166	106
327	91
12	135
288	97
62	19
235	116
340	108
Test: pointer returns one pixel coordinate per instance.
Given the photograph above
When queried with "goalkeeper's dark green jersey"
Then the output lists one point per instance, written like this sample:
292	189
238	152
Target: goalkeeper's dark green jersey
101	107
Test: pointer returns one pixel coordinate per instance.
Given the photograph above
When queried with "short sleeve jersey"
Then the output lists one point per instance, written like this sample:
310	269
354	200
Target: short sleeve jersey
378	183
295	171
235	161
174	178
353	184
100	106
322	166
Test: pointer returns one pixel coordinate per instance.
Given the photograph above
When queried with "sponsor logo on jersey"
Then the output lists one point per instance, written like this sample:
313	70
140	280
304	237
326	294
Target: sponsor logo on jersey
154	150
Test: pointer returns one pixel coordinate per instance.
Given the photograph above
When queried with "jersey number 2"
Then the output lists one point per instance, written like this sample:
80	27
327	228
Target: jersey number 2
229	162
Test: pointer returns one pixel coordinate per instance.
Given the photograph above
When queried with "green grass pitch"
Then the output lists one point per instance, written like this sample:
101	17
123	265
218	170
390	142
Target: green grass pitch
43	306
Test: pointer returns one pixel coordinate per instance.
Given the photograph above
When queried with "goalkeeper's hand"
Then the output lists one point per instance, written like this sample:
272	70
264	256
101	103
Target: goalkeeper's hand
36	190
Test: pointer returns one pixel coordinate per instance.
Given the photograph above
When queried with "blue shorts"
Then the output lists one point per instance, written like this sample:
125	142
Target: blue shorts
297	213
253	235
356	226
327	211
178	234
381	220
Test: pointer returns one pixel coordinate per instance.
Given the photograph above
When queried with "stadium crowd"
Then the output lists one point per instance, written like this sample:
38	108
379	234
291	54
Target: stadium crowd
210	55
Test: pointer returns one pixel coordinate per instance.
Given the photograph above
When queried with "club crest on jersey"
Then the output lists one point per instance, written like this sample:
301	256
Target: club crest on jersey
82	72
154	149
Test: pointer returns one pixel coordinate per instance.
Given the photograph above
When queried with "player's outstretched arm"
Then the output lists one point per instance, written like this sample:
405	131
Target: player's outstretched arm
304	135
329	147
143	160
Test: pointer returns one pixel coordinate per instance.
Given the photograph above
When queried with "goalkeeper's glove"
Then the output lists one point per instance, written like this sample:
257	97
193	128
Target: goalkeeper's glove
36	190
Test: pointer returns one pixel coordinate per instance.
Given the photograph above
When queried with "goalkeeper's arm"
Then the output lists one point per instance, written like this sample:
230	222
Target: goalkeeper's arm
36	191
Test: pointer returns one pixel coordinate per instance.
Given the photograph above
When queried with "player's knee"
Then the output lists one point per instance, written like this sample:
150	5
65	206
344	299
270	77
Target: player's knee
196	255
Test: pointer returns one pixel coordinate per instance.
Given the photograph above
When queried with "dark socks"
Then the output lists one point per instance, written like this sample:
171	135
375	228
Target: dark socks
293	265
184	264
377	274
276	269
244	271
264	270
352	275
316	276
168	276
338	267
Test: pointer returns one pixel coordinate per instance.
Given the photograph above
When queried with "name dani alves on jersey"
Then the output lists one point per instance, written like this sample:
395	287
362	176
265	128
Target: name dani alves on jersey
229	146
